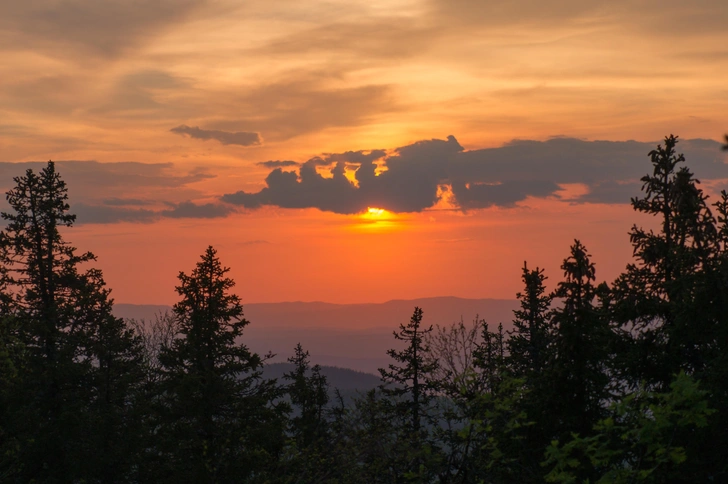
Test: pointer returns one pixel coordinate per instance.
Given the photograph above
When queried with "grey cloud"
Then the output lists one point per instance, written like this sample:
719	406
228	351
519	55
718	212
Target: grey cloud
100	214
569	160
91	178
146	94
191	210
409	185
355	156
477	178
506	194
240	138
125	202
87	213
611	192
104	28
287	109
125	191
277	163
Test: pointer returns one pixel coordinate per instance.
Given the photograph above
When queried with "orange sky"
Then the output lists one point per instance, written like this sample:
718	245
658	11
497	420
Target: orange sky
198	93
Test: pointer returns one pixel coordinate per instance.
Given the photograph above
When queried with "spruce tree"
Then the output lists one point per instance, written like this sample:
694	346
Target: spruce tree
661	300
530	355
218	421
310	451
308	391
410	386
671	305
581	348
528	344
412	379
70	405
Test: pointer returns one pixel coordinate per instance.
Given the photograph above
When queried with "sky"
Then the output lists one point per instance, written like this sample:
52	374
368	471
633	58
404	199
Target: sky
348	151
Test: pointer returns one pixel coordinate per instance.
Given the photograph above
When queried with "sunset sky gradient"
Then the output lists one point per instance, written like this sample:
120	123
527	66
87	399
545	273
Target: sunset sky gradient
481	134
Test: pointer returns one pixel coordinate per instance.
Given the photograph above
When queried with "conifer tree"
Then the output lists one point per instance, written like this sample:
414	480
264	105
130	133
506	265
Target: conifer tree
410	386
671	304
309	395
582	337
656	299
489	358
528	344
411	379
530	356
311	455
218	422
72	399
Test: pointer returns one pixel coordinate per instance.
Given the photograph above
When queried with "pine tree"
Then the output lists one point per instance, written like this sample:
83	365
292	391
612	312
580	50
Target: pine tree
581	343
311	455
530	355
410	387
671	305
657	299
218	421
411	379
528	344
309	396
71	403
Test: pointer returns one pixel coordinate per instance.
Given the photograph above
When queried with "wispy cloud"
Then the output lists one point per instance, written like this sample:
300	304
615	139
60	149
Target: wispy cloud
277	163
241	138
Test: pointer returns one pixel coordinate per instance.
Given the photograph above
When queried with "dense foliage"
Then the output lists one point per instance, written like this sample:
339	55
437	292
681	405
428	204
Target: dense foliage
597	382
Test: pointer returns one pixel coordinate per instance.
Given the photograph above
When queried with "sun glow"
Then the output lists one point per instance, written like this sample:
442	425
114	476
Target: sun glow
377	218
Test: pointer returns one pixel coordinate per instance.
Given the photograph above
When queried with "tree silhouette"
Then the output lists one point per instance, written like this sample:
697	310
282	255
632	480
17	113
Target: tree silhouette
528	344
218	421
655	299
75	391
309	395
410	386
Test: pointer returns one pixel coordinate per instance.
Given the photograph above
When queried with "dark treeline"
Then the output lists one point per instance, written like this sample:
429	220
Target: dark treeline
597	382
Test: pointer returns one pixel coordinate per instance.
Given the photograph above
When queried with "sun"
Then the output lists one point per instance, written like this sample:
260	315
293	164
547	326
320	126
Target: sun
376	218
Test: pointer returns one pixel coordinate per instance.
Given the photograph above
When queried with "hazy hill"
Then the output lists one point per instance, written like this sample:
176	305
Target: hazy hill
353	336
341	378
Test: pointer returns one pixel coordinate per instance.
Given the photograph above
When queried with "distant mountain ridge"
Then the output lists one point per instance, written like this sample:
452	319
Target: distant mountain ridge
437	310
354	336
341	378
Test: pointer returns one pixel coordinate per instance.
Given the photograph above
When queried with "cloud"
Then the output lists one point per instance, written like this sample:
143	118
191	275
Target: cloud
277	163
105	28
105	214
612	192
392	37
475	179
240	138
191	210
505	194
106	180
286	109
124	202
125	191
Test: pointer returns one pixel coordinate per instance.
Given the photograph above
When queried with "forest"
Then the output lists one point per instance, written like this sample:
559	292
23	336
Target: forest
597	382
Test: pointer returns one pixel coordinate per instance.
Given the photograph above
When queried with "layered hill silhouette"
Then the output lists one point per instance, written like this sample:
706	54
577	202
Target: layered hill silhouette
354	336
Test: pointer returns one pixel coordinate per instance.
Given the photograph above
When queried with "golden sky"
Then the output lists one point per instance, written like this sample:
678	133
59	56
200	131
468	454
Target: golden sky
489	132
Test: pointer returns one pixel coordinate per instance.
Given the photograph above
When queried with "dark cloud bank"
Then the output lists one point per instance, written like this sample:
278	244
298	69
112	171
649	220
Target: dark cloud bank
418	175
